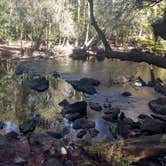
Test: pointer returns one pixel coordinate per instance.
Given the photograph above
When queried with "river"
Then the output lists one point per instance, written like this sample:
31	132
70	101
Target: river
18	103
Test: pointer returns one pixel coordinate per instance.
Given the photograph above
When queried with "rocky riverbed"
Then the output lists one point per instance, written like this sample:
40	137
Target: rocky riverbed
51	117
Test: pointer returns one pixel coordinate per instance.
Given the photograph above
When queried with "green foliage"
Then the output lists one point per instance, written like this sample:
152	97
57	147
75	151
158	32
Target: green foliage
97	148
43	20
150	45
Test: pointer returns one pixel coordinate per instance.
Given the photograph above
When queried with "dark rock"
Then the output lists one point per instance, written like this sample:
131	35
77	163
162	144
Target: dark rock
64	103
77	107
112	115
81	133
95	106
158	106
39	84
57	135
152	126
83	123
123	129
85	85
93	132
126	94
27	126
1	125
160	88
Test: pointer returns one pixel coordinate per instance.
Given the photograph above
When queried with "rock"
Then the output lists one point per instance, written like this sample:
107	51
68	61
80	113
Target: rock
93	132
95	106
83	123
152	126
27	126
85	85
158	106
1	125
73	116
63	103
112	115
126	94
123	129
63	151
39	84
81	133
57	135
77	107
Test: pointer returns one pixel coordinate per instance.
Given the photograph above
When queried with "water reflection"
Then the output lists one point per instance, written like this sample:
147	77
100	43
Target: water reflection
18	103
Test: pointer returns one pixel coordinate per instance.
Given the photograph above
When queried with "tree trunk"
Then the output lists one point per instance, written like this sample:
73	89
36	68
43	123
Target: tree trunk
87	28
133	55
98	30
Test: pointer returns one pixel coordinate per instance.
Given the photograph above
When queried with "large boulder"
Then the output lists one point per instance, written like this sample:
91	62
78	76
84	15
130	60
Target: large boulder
85	85
152	126
158	106
77	107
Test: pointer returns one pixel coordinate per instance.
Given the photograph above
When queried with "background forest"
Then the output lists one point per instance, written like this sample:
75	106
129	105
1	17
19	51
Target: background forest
125	23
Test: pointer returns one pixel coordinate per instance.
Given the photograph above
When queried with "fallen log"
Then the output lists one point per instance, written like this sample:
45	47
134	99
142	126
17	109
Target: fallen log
145	147
130	150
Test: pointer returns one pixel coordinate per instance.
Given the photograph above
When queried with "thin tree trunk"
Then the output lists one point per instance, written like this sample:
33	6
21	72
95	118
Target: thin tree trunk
87	28
78	21
98	30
